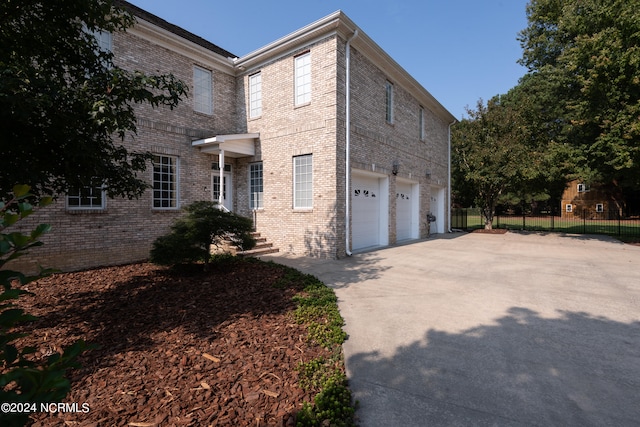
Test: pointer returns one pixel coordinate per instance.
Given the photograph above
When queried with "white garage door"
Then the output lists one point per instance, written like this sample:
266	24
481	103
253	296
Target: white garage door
404	211
365	213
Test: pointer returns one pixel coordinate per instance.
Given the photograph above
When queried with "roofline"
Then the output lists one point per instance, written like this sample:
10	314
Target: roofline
179	31
338	23
172	41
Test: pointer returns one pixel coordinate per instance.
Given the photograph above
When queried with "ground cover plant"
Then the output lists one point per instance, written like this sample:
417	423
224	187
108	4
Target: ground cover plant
251	343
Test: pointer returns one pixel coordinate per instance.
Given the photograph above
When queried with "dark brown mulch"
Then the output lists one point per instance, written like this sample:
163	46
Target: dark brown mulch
188	349
492	231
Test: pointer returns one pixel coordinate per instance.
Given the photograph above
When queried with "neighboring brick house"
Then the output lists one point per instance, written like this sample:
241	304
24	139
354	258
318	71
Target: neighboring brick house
294	123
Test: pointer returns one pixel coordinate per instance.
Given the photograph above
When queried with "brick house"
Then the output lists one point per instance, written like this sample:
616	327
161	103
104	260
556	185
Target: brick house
320	137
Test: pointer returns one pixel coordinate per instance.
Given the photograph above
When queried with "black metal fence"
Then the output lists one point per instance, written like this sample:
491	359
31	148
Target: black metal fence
612	222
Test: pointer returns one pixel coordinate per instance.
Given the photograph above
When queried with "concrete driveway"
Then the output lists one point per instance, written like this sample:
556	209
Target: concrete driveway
491	330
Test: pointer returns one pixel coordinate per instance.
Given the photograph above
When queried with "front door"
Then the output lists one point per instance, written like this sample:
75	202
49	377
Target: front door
227	190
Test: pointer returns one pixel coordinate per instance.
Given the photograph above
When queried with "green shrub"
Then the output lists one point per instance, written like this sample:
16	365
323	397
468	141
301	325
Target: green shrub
22	380
192	235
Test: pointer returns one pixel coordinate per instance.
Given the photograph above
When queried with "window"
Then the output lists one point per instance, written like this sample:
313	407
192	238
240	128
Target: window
599	207
202	96
165	182
255	95
303	79
104	39
583	188
389	102
302	181
215	166
88	197
421	124
104	42
569	208
255	186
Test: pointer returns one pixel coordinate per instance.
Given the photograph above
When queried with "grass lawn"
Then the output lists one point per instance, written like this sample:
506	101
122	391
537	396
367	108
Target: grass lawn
626	228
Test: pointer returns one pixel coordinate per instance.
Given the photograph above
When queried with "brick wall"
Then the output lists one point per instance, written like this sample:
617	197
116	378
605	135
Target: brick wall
286	131
124	231
376	144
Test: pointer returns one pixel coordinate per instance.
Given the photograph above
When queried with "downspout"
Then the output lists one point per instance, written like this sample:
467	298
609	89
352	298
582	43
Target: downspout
449	177
348	145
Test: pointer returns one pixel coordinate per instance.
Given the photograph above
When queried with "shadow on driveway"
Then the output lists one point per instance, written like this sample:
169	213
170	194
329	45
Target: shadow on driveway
573	370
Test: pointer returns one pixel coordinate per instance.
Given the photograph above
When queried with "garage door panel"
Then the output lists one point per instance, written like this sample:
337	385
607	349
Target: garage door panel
404	211
365	198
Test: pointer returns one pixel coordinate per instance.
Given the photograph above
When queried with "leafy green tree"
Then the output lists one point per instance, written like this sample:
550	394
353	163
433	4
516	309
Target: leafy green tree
583	58
192	235
62	99
21	379
490	156
533	99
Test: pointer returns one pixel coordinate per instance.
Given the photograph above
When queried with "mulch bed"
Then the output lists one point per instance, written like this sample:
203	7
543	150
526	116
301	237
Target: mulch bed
492	231
175	349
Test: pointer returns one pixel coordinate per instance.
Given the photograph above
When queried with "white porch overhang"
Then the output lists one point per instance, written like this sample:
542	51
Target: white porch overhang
236	145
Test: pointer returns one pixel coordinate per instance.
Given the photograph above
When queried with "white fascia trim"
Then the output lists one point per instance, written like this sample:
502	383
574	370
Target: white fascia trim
225	138
288	44
175	43
237	145
341	24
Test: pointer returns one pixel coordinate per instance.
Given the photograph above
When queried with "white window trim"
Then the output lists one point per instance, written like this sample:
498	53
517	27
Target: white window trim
176	192
583	188
569	207
259	199
200	104
599	207
302	92
296	201
389	102
103	201
255	95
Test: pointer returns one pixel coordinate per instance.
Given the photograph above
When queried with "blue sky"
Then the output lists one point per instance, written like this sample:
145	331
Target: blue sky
459	50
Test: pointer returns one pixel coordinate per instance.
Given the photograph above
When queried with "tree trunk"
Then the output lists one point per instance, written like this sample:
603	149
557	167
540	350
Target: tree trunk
488	214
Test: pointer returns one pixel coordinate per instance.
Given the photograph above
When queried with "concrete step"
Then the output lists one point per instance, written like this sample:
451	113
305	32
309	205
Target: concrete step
262	247
257	252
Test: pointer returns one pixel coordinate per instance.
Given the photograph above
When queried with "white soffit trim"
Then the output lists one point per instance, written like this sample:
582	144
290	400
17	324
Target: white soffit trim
236	145
285	45
339	23
175	43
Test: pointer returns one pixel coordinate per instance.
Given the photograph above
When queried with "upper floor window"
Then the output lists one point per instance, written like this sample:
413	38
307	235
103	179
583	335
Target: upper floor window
104	39
165	182
303	79
88	197
303	181
583	188
202	92
389	102
255	95
256	186
421	124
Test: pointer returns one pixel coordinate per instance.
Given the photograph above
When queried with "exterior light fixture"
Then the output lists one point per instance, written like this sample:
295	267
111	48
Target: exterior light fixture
395	167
